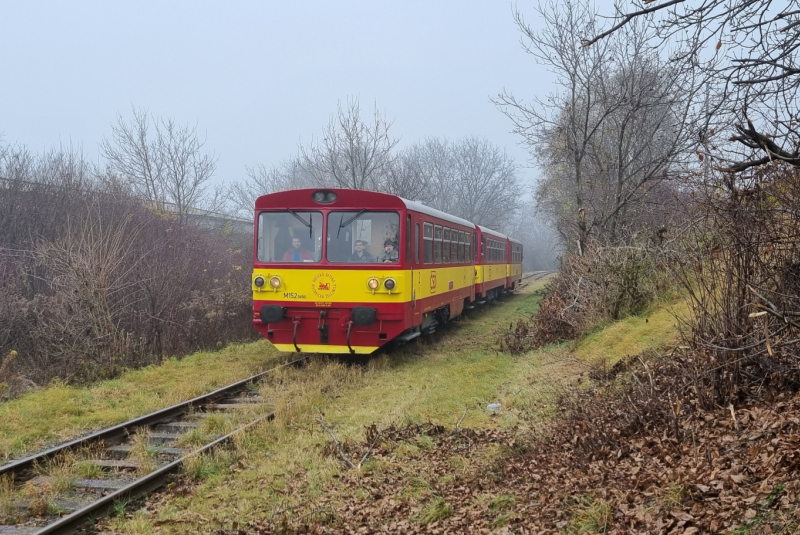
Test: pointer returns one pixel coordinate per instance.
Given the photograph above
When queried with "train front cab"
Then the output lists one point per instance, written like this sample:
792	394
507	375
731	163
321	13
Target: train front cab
491	269
311	293
323	282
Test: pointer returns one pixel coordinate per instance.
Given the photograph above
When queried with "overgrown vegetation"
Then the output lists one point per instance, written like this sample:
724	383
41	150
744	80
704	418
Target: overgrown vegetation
94	280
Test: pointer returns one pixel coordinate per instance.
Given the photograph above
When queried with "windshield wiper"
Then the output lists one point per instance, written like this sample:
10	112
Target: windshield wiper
345	223
342	225
306	223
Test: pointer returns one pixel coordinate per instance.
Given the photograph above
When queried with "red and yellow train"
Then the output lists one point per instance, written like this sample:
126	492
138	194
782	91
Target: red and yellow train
347	271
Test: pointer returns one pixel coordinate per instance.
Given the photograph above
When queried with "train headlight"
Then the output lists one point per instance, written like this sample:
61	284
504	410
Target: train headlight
373	283
275	282
259	281
324	196
389	284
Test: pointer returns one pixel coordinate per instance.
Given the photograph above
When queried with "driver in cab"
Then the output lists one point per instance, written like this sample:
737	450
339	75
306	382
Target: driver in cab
297	253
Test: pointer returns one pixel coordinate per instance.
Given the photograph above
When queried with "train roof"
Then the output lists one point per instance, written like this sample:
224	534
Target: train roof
419	207
491	232
351	199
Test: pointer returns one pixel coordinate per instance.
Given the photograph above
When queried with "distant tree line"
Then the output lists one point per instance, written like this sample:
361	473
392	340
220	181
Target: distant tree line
469	178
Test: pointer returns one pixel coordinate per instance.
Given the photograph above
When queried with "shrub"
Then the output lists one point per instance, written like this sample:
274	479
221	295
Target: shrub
606	283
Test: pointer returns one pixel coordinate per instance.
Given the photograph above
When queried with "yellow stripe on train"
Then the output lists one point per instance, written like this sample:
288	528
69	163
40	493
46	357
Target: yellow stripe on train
490	272
332	285
351	285
324	348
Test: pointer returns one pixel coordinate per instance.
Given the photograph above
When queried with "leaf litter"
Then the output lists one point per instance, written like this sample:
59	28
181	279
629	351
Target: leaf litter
619	459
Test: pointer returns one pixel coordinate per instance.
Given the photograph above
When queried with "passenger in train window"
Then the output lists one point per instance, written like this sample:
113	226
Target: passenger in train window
361	254
297	253
389	255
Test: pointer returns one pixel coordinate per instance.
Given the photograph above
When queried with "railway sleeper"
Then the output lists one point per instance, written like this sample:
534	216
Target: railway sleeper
160	438
115	464
178	427
122	451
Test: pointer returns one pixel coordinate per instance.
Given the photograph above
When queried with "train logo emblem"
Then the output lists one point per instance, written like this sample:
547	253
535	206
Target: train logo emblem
323	285
433	282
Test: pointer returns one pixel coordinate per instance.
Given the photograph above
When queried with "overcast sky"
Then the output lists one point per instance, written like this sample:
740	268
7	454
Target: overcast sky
258	78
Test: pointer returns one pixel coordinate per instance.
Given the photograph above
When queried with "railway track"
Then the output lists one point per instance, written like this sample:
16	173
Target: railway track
536	275
124	461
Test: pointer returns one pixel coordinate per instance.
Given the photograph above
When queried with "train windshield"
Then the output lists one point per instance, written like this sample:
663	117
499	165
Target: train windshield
289	236
363	237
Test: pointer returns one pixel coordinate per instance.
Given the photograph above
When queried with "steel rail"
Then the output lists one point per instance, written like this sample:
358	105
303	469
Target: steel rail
125	429
72	522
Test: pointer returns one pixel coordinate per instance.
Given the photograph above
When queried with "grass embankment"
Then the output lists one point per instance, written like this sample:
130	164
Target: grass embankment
288	472
652	330
60	412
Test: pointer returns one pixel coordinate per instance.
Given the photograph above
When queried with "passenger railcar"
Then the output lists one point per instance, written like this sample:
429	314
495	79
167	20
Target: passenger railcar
491	266
346	271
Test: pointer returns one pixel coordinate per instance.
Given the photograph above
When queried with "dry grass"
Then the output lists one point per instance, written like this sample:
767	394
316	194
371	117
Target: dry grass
437	381
142	453
8	497
61	412
280	467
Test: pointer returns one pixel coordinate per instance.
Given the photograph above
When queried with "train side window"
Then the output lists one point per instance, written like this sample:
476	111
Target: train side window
417	243
446	245
437	244
408	238
454	247
428	237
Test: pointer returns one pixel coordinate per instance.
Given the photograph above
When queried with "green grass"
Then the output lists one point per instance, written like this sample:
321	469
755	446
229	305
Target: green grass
437	509
60	412
279	466
435	381
633	335
594	516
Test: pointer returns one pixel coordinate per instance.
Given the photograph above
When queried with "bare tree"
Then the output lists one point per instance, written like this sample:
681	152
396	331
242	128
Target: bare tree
162	161
407	176
351	153
541	245
435	157
746	52
611	134
261	180
486	188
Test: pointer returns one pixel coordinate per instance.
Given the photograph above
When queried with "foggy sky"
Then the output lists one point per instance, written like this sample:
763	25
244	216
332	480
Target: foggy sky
258	78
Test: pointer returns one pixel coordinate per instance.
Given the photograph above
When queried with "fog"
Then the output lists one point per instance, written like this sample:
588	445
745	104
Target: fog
259	78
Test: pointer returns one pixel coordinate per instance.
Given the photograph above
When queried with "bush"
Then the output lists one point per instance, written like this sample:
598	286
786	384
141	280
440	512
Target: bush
607	283
741	276
94	281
